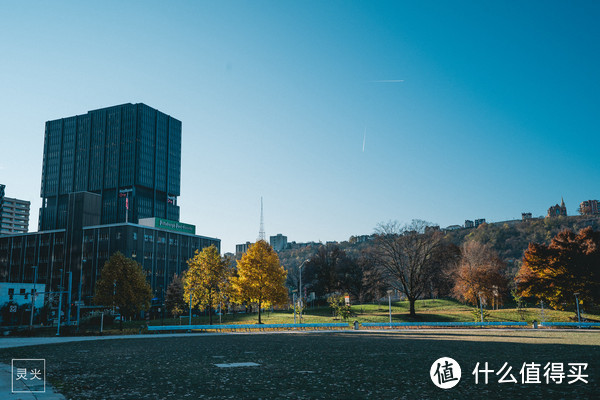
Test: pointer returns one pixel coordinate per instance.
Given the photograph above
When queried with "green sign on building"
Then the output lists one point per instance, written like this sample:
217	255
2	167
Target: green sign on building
170	225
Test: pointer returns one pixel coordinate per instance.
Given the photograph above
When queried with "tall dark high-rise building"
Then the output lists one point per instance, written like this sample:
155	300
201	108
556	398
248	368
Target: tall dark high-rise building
96	167
128	154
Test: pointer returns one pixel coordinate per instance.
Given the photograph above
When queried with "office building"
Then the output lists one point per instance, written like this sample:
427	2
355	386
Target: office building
14	214
479	221
240	249
278	242
110	182
589	207
128	154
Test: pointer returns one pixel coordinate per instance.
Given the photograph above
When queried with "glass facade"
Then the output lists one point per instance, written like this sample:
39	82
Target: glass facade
127	153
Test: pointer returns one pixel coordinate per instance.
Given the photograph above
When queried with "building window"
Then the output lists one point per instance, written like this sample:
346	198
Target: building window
11	293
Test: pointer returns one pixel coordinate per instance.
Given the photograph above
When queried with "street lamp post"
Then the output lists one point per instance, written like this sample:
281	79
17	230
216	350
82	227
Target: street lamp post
481	307
389	292
301	303
60	294
35	267
190	308
577	303
114	295
294	301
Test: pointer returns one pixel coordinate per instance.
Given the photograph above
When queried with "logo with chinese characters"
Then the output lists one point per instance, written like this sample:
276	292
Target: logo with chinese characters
445	373
534	373
28	375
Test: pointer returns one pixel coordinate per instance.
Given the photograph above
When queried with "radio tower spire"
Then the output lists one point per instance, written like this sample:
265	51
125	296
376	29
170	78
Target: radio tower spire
261	232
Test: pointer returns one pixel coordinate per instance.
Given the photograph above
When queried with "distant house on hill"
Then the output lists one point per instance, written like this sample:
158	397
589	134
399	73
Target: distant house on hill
589	207
453	227
557	210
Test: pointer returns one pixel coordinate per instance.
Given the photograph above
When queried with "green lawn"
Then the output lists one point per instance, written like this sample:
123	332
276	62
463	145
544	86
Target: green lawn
438	310
433	310
325	365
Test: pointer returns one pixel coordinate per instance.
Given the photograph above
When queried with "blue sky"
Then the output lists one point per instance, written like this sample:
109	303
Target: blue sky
496	114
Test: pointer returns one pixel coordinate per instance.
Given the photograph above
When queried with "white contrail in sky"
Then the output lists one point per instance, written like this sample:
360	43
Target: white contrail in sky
364	139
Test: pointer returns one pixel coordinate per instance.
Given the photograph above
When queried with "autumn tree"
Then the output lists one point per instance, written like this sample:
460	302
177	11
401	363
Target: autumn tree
322	272
479	276
445	262
567	266
123	284
260	277
174	299
407	254
361	279
207	279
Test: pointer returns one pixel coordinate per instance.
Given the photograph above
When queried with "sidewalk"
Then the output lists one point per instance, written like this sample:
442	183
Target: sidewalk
8	342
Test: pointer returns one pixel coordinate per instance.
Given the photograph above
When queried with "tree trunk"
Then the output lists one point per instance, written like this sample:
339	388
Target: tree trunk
259	322
412	307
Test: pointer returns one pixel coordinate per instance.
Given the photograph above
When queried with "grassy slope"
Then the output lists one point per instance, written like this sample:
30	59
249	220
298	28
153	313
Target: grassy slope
438	310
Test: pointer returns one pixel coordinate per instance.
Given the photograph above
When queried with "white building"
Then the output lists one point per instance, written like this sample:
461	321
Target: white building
14	215
20	293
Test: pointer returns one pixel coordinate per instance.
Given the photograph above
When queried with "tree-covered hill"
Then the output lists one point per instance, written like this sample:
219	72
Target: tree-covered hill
510	239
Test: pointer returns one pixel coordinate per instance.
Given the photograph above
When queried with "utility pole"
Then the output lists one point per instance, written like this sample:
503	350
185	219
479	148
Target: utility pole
577	303
60	294
33	295
69	299
301	302
481	307
79	303
294	300
390	304
261	232
190	308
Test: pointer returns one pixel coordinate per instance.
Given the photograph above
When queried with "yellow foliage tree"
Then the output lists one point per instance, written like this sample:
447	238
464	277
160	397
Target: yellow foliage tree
207	279
261	278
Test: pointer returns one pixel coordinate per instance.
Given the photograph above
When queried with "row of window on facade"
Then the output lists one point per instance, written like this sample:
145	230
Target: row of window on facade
16	244
22	292
32	260
119	235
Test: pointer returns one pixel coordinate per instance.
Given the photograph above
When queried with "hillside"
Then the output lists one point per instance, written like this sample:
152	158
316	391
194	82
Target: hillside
510	239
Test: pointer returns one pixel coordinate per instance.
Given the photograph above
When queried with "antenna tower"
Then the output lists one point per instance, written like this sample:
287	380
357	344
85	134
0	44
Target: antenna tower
261	232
